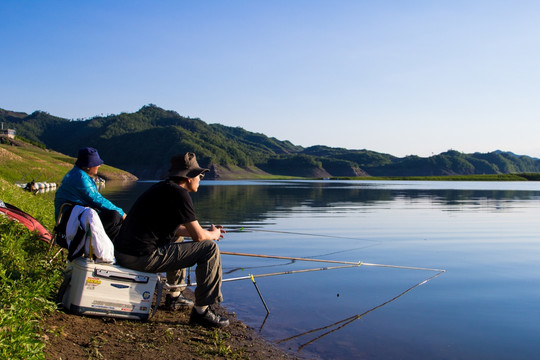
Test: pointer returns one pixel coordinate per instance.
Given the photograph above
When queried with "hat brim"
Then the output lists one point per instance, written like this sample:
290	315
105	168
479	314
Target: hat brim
187	173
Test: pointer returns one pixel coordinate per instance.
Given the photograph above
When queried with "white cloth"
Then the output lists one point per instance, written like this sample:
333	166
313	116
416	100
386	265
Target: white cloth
102	246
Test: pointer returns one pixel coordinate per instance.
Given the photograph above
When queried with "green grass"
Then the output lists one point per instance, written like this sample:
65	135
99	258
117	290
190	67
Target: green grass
22	164
27	282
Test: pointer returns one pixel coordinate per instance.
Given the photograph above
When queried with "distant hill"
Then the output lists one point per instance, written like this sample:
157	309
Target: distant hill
142	143
512	154
22	162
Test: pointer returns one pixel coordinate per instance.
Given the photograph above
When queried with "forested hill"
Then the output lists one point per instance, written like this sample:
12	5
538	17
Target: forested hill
143	142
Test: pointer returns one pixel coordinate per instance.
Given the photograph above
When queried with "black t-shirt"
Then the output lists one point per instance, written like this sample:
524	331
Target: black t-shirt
154	218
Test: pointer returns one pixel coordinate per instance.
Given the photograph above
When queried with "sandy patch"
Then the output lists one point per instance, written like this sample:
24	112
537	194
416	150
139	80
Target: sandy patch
8	155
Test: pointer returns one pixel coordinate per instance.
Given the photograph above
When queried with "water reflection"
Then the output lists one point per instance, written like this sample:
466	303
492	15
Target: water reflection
486	236
252	203
248	202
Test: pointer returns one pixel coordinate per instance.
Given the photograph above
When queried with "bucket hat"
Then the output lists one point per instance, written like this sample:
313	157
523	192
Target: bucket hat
185	166
88	157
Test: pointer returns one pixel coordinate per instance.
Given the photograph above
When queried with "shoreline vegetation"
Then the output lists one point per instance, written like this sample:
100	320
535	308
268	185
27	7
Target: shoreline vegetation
32	326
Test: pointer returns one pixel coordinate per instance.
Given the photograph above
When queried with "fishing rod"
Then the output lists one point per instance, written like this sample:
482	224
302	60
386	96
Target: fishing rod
289	258
288	272
24	176
345	264
240	229
289	262
248	277
359	263
252	278
233	270
348	265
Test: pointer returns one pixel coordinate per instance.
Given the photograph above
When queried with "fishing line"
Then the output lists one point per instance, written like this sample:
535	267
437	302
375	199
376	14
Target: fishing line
240	229
349	320
342	251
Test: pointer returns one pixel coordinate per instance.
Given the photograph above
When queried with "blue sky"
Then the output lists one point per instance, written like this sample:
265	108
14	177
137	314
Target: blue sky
398	77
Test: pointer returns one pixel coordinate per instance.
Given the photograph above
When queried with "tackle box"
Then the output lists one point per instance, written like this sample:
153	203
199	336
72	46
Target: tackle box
101	289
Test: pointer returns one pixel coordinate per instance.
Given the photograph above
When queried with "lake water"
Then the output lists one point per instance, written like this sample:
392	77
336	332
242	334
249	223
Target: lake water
486	235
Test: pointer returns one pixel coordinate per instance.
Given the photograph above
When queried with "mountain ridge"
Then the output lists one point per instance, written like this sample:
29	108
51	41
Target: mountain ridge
143	142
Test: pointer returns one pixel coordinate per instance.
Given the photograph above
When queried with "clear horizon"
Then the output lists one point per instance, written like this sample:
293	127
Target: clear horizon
396	77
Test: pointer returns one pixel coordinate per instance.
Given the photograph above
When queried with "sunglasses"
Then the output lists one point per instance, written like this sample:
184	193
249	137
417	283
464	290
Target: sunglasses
201	176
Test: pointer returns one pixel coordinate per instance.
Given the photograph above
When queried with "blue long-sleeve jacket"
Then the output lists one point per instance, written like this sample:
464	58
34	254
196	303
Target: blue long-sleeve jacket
79	188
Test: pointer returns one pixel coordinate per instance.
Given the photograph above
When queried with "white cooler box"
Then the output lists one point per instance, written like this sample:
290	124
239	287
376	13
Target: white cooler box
109	290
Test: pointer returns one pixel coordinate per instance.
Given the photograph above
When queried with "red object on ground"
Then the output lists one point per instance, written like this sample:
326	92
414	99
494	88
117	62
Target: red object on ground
16	214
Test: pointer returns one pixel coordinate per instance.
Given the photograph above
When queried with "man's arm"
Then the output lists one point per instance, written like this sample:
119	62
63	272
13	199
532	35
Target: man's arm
198	233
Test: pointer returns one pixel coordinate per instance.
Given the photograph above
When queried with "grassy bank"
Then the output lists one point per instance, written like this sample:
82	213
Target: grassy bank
22	162
27	282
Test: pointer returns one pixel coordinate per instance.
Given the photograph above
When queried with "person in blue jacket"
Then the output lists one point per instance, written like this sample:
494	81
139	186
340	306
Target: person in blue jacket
78	187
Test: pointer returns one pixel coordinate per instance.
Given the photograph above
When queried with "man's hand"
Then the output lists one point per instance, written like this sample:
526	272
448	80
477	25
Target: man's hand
217	229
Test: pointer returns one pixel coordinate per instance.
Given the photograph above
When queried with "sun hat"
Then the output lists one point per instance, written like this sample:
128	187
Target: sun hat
88	157
185	166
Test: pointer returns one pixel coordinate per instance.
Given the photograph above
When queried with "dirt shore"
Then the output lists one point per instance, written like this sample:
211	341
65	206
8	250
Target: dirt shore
166	336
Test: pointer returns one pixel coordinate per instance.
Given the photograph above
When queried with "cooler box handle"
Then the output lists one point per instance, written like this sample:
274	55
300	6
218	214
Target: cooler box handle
121	276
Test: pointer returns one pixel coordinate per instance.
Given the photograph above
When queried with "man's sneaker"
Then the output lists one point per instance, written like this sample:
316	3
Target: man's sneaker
178	302
208	319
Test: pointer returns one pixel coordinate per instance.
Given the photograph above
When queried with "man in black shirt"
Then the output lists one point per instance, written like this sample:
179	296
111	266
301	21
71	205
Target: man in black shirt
148	238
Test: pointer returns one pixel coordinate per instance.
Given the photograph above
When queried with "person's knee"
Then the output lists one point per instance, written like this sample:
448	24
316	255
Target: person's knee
211	249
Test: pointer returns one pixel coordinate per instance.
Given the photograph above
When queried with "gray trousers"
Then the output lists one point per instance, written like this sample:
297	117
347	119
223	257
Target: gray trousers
180	255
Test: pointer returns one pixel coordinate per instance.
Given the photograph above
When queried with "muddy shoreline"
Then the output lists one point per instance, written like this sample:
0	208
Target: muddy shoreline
166	336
